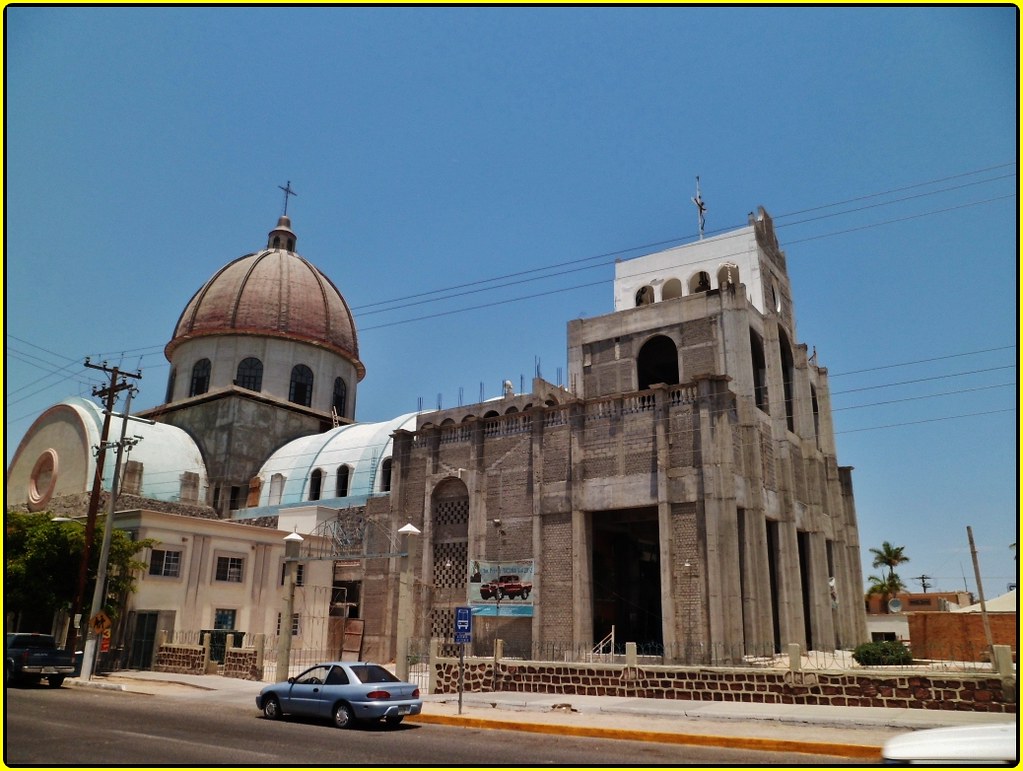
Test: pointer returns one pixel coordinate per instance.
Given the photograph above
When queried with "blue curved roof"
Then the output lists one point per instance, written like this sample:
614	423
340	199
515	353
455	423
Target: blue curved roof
165	451
362	447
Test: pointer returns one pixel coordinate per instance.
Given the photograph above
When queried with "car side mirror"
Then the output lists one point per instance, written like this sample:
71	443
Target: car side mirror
291	680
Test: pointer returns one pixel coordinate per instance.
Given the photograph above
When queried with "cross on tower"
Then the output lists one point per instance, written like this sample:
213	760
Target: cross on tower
287	192
701	208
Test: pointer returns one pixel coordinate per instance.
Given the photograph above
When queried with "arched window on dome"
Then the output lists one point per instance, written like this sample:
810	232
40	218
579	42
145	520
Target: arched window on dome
170	384
385	476
340	396
276	489
316	485
250	374
200	378
343	476
301	391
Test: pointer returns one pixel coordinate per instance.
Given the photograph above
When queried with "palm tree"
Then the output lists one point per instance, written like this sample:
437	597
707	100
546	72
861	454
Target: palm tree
889	585
889	556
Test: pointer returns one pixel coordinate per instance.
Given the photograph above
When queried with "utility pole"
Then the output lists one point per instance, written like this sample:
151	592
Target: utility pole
923	581
980	592
99	591
110	395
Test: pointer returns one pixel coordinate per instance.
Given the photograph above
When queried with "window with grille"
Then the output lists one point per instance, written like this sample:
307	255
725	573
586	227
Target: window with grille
340	396
165	563
200	378
294	625
299	574
250	374
230	569
301	391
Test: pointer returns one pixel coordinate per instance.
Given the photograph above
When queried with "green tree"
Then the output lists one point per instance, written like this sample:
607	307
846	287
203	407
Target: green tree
41	564
886	586
889	556
890	584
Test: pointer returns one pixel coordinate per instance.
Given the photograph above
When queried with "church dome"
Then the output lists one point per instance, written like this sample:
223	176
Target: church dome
272	293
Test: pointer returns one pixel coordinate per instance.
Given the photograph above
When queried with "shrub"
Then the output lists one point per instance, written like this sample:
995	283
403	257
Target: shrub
883	653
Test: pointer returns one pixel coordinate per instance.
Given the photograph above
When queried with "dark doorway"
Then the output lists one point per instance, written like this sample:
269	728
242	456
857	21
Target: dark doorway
657	363
627	579
772	574
143	640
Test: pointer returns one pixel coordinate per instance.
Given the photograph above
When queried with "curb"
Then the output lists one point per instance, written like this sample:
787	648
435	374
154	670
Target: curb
855	751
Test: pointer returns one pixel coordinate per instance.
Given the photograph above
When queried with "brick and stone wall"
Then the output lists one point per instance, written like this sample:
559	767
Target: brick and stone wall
959	636
899	689
243	663
181	659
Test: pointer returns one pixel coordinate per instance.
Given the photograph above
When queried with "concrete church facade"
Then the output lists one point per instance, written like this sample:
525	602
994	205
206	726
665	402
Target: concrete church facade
683	490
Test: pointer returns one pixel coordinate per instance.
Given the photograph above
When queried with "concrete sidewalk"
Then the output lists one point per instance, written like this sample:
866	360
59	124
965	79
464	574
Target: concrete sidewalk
848	732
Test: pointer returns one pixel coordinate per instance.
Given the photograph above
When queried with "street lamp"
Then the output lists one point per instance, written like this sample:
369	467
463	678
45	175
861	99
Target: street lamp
292	544
404	625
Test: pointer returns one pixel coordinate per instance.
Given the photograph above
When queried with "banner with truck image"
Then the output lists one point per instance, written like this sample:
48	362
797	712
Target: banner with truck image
501	588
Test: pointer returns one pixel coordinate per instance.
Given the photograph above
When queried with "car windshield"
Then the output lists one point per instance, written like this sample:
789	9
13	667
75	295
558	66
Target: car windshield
373	673
30	641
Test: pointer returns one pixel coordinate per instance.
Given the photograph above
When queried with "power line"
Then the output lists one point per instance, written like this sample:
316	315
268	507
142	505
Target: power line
923	379
930	420
680	239
833	375
925	396
601	283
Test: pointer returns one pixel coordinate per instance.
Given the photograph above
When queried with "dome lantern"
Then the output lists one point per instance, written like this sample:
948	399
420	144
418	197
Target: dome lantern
282	236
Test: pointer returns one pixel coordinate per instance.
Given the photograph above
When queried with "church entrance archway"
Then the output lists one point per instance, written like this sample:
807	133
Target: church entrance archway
627	578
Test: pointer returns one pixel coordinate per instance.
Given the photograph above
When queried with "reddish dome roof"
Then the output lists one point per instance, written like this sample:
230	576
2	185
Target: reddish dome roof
274	293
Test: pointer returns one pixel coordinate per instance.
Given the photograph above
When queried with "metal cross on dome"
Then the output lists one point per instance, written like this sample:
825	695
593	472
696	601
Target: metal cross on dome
287	192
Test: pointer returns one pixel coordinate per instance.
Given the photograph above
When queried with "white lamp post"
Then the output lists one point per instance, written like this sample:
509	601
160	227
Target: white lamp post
404	625
292	544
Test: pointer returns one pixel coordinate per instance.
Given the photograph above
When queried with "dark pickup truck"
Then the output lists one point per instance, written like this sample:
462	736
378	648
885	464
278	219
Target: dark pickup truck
30	657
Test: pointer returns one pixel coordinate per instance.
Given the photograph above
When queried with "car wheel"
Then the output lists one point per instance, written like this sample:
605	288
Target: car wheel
272	708
55	681
343	717
525	594
394	720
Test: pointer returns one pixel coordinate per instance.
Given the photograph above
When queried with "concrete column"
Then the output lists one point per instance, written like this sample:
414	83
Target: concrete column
536	469
724	609
670	633
822	627
582	579
790	597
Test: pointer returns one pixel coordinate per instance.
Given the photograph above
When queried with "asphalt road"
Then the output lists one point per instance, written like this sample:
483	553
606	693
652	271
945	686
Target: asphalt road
95	727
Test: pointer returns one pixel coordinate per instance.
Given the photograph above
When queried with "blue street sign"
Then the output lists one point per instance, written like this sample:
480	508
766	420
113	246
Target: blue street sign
463	625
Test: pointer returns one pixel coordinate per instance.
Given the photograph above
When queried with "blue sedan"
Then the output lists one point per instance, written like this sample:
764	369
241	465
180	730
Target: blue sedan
343	691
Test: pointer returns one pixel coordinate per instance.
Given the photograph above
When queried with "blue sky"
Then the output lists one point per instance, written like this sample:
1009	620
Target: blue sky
435	148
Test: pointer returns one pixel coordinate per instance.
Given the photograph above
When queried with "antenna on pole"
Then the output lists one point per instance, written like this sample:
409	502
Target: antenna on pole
701	208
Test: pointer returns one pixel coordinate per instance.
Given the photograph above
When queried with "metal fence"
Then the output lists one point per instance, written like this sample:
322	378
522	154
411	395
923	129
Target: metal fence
963	658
